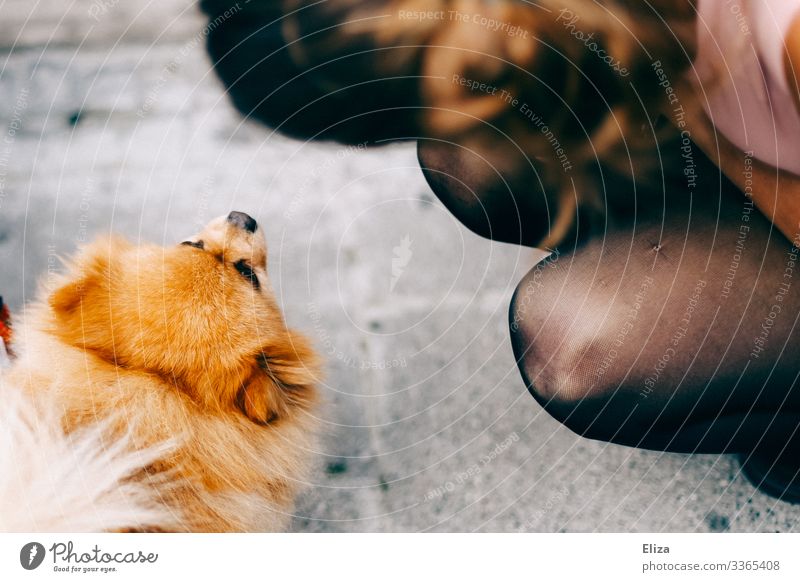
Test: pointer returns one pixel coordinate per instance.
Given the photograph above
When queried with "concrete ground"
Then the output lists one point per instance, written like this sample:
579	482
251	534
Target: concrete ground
112	120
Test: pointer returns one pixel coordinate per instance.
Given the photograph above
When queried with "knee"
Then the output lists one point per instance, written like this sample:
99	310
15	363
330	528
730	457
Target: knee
491	193
558	348
456	186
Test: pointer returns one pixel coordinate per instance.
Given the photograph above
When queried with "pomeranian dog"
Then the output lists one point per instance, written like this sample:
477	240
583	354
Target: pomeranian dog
158	389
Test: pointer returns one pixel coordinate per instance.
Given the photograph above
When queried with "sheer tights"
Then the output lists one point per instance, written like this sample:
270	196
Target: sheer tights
676	330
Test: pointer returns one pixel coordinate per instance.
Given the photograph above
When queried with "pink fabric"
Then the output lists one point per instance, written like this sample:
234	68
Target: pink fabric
740	72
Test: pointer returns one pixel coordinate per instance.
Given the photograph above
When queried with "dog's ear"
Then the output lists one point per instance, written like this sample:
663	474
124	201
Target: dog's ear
283	382
88	271
66	299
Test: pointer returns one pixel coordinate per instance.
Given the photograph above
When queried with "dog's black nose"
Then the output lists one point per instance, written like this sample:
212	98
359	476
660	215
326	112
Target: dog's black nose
242	220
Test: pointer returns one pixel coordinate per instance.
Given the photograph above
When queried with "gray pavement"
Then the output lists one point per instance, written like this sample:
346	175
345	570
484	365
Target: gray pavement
112	120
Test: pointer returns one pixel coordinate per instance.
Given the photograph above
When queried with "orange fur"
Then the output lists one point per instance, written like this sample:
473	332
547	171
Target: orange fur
175	343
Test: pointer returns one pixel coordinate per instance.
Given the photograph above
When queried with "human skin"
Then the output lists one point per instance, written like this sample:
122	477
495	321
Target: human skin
775	192
712	397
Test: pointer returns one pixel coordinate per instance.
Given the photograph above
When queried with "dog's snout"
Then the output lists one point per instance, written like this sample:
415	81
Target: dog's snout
242	220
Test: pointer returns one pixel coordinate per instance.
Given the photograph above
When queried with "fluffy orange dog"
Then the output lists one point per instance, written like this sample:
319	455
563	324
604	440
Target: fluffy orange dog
184	402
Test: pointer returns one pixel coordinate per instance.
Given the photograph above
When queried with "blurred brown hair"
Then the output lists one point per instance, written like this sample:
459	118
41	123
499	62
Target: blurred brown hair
571	82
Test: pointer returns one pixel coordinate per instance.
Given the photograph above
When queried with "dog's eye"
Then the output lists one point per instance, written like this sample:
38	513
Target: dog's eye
247	272
198	245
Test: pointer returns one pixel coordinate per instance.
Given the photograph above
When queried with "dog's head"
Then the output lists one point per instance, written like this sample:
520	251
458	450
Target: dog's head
200	315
